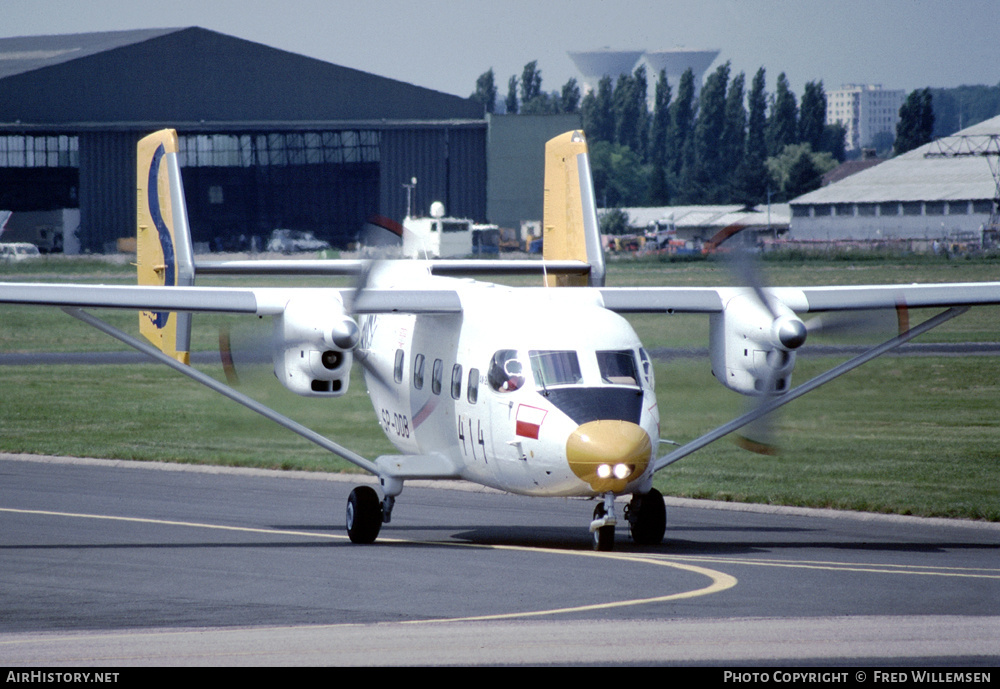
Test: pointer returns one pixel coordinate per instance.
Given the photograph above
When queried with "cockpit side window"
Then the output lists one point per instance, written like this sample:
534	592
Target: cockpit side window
647	368
555	368
506	371
618	367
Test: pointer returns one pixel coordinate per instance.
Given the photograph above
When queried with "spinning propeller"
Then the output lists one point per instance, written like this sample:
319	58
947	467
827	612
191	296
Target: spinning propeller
325	329
361	284
786	334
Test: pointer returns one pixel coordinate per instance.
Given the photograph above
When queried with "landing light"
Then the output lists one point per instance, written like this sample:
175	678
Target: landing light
604	470
621	471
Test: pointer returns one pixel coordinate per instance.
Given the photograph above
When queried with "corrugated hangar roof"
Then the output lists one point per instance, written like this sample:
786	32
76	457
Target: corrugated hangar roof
914	177
194	75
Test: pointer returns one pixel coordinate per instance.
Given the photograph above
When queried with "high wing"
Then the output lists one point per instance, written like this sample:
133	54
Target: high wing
270	301
802	299
834	298
264	301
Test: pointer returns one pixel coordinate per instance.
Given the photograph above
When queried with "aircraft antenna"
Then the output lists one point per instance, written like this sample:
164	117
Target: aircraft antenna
409	195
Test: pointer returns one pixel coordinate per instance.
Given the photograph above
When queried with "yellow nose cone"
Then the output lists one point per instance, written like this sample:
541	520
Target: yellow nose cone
607	454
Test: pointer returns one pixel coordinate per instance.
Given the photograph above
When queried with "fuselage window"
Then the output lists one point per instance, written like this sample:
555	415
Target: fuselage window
618	367
418	372
456	381
436	374
473	394
555	368
506	371
397	370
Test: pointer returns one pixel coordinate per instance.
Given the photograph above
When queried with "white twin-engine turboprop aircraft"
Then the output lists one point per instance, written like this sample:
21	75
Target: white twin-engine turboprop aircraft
541	391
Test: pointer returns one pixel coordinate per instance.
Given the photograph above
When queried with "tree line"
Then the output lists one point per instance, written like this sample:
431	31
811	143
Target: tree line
963	106
725	145
729	144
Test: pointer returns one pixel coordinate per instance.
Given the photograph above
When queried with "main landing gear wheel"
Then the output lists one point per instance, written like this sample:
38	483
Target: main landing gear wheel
604	537
647	517
364	515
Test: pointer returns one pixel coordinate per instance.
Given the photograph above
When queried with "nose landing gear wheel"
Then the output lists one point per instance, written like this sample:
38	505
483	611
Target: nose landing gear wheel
647	518
604	537
364	515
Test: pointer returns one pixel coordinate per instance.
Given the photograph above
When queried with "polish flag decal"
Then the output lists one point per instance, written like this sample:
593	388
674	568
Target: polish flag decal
529	420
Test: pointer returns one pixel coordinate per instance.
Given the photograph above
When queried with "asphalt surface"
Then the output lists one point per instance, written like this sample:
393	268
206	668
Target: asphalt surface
116	563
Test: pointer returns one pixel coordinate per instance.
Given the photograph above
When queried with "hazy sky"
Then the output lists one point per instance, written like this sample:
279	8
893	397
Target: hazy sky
447	44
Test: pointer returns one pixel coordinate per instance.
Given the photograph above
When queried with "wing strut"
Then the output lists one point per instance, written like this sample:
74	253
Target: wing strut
809	386
225	390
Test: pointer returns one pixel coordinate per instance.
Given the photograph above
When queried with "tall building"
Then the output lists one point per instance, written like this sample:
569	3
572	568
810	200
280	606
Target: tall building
865	110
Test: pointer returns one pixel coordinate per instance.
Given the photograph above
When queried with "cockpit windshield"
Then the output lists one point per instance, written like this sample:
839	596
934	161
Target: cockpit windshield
551	368
509	369
618	367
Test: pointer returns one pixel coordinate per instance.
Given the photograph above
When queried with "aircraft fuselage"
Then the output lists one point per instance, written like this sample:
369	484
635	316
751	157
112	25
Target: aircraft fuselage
551	396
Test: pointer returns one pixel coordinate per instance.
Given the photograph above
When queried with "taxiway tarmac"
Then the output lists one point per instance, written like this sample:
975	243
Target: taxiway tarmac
120	563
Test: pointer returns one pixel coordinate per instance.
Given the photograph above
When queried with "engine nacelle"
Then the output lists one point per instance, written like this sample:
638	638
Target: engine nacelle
753	349
311	346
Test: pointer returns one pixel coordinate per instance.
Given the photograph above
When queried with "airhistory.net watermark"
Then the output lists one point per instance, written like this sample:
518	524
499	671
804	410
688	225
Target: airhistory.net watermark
40	676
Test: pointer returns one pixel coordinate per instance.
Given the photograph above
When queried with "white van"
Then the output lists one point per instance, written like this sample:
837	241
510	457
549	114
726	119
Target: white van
17	251
437	237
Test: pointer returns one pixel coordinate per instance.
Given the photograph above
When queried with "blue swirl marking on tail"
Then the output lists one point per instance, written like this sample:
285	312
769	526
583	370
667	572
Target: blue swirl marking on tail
166	240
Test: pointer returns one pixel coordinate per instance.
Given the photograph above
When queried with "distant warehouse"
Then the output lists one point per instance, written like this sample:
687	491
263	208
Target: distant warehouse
269	139
942	191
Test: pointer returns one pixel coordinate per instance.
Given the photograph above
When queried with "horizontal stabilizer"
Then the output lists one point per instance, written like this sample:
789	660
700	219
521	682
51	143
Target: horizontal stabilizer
353	267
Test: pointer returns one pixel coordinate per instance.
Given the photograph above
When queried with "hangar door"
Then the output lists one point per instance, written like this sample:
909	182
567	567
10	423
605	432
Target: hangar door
240	186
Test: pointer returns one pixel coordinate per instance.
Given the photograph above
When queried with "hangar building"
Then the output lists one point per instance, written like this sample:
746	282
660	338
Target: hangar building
269	139
914	196
695	225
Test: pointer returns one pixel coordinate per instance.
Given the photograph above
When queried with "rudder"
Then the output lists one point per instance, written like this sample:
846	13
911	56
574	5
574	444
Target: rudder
569	220
163	239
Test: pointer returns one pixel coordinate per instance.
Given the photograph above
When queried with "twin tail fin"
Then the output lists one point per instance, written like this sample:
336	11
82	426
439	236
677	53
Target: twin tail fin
569	220
163	239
